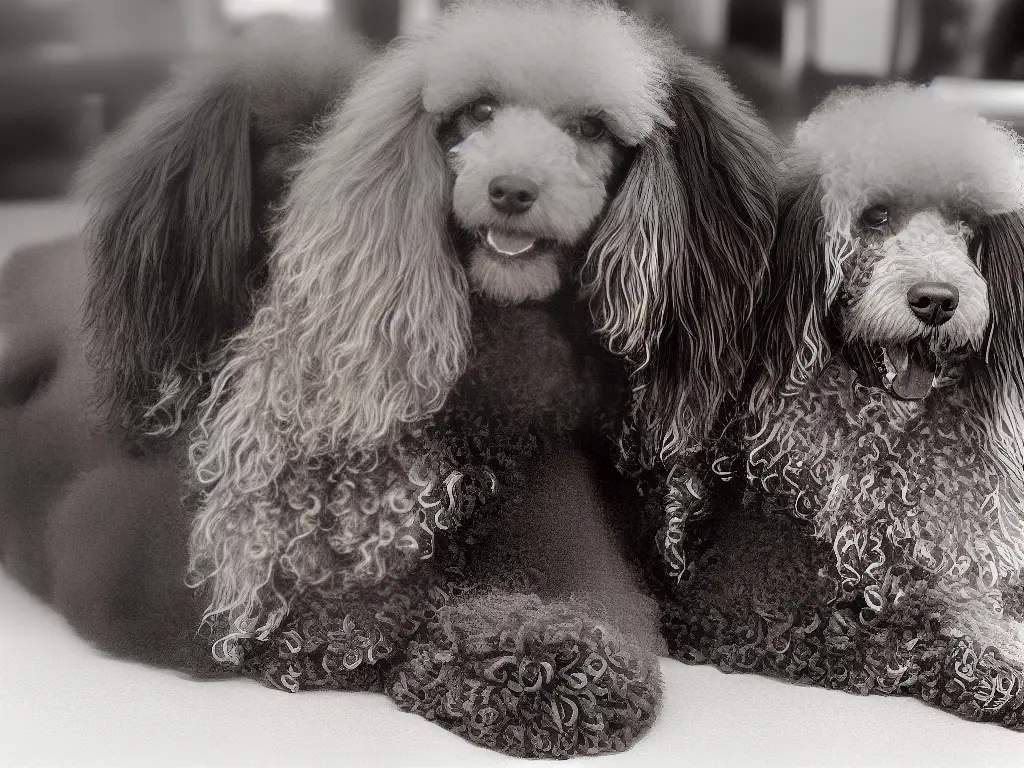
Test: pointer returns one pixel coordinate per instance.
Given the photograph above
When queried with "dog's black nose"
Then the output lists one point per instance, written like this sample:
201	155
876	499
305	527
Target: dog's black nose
512	194
933	303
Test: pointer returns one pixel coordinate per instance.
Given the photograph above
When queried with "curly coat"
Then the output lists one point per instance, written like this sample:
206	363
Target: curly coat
401	469
422	475
877	544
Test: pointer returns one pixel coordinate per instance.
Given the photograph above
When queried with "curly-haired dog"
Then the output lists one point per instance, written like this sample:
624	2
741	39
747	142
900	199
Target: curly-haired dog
879	542
527	236
180	196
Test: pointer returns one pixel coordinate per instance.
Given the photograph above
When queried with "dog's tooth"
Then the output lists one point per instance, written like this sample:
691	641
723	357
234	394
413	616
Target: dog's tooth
890	368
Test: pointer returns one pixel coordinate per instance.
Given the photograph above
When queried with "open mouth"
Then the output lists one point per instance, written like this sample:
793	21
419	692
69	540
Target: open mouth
910	369
509	244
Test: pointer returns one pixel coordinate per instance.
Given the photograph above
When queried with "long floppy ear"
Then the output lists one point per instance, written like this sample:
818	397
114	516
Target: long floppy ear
999	252
678	263
790	320
169	242
362	331
181	198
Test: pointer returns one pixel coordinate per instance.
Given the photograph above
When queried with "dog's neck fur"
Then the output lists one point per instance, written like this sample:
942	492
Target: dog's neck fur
885	482
871	537
538	365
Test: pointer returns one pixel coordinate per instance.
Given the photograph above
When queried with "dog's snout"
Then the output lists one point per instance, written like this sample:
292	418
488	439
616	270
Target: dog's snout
512	194
933	303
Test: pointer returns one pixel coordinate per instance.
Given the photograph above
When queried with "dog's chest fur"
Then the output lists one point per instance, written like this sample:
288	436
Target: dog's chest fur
887	483
535	367
869	536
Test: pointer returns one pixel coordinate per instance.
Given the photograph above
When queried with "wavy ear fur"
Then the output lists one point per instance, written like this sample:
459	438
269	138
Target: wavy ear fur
999	252
997	382
179	195
362	331
791	319
679	260
169	242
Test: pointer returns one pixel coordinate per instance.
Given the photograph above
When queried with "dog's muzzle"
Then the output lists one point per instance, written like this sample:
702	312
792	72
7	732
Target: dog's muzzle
933	303
512	195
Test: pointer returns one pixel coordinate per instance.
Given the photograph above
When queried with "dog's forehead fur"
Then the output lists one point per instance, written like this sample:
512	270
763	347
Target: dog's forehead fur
894	143
556	55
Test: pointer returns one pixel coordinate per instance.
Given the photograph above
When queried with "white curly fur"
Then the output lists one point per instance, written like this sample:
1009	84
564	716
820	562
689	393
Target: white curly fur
916	504
515	281
899	143
902	141
604	58
896	143
390	333
524	142
926	249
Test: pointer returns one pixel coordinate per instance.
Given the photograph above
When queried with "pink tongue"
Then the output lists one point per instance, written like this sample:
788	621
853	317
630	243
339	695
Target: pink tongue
915	381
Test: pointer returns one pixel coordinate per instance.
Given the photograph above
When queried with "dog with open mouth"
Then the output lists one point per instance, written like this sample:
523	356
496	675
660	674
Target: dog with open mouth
502	156
528	240
877	544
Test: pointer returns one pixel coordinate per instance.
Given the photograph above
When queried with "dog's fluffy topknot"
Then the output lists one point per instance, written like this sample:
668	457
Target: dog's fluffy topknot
901	141
605	59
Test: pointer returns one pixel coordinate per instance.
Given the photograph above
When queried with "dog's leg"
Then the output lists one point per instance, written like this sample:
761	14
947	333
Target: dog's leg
567	668
346	643
977	682
765	597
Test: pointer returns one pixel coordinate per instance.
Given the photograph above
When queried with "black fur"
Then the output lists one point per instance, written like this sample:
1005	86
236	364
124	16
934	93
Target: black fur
793	298
712	178
998	250
182	196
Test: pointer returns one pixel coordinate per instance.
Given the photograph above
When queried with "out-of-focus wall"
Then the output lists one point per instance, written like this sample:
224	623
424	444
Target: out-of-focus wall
854	37
701	22
71	70
111	27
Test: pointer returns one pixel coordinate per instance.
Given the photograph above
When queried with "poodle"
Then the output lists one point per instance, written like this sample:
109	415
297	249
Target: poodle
877	545
106	341
523	253
524	250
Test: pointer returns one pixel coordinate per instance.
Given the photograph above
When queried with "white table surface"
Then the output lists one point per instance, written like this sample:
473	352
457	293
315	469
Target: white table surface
64	704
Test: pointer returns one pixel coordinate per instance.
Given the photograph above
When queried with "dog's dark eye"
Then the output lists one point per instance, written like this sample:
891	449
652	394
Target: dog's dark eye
876	217
482	110
591	128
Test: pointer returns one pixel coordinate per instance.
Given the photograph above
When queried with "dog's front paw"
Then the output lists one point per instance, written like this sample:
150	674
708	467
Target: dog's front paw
529	678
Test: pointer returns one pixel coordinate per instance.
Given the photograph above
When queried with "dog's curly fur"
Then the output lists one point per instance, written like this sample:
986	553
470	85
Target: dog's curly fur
878	543
407	461
409	447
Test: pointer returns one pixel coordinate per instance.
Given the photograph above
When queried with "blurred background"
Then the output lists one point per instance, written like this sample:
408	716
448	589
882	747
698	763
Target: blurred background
72	70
